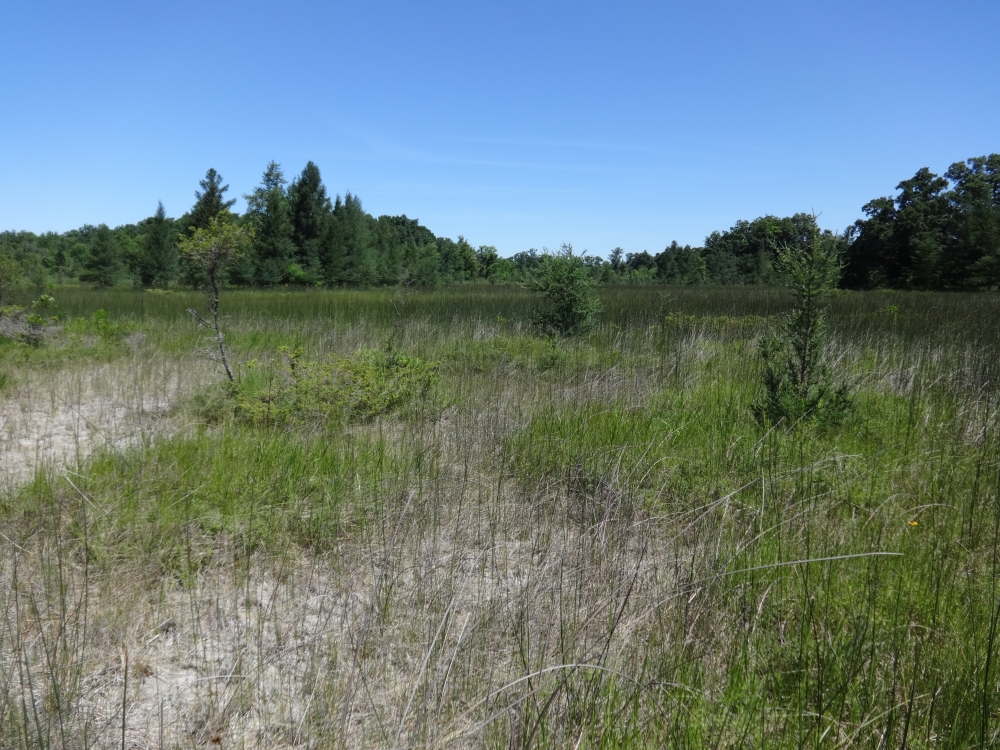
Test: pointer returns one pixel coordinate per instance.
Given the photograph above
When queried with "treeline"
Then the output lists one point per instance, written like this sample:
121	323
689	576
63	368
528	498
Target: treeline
936	233
301	237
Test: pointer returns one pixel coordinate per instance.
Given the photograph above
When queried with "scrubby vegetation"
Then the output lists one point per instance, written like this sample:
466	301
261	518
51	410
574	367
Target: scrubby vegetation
345	389
429	524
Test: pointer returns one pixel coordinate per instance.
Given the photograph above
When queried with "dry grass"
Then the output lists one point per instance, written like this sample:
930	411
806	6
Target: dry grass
585	546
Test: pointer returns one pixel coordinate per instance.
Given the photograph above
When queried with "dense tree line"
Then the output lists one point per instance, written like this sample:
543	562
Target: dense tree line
936	233
301	237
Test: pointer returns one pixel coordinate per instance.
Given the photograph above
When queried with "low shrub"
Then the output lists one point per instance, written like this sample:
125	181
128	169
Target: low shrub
358	388
110	331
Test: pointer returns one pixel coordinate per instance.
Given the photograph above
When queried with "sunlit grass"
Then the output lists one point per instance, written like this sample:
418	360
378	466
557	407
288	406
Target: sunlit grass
585	543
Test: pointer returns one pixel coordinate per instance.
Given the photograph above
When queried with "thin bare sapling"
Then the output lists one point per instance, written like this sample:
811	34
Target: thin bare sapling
212	250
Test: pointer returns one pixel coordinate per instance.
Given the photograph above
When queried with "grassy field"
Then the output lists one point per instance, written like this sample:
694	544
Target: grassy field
586	543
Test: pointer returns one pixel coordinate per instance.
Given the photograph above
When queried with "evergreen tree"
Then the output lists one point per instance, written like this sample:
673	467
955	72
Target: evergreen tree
310	218
158	256
798	380
209	202
352	243
563	279
102	264
268	210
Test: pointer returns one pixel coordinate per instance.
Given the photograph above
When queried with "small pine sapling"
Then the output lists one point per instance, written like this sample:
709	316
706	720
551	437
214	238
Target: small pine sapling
798	379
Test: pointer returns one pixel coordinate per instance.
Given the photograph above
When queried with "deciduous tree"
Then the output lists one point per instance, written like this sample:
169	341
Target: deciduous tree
213	249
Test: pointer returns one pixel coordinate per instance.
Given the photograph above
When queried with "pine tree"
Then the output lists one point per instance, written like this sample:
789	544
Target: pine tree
798	380
355	243
269	211
209	201
310	214
158	257
102	263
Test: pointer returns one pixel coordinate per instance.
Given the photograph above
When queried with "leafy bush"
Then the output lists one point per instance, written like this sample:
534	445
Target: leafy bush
111	331
566	283
798	381
357	388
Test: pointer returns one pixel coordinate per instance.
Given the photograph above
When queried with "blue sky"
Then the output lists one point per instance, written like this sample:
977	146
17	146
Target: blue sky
515	124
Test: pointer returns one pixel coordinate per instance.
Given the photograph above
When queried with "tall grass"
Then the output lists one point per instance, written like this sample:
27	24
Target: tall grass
587	543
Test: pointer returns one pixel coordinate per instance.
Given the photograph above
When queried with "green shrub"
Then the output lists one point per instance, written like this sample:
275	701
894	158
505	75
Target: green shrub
566	283
357	388
110	331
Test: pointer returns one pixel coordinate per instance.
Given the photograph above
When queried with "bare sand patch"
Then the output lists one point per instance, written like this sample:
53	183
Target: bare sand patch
418	637
57	419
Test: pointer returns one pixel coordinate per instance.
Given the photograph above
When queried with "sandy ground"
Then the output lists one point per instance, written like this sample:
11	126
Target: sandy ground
58	419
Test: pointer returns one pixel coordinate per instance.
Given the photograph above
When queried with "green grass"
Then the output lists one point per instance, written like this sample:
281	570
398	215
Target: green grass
586	543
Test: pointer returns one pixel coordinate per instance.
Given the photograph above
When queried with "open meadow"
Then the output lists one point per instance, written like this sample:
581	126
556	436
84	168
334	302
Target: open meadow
416	522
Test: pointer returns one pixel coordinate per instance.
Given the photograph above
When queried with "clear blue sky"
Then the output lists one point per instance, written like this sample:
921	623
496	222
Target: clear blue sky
516	124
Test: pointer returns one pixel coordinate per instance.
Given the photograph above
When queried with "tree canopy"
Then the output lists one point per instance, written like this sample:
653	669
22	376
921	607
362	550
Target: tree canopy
936	232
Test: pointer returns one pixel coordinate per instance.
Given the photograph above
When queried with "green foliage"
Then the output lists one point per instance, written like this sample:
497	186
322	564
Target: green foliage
681	265
110	330
43	303
157	258
798	381
936	233
638	564
350	253
744	254
102	265
310	219
358	388
584	444
213	247
563	280
9	273
273	250
212	250
104	327
210	201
